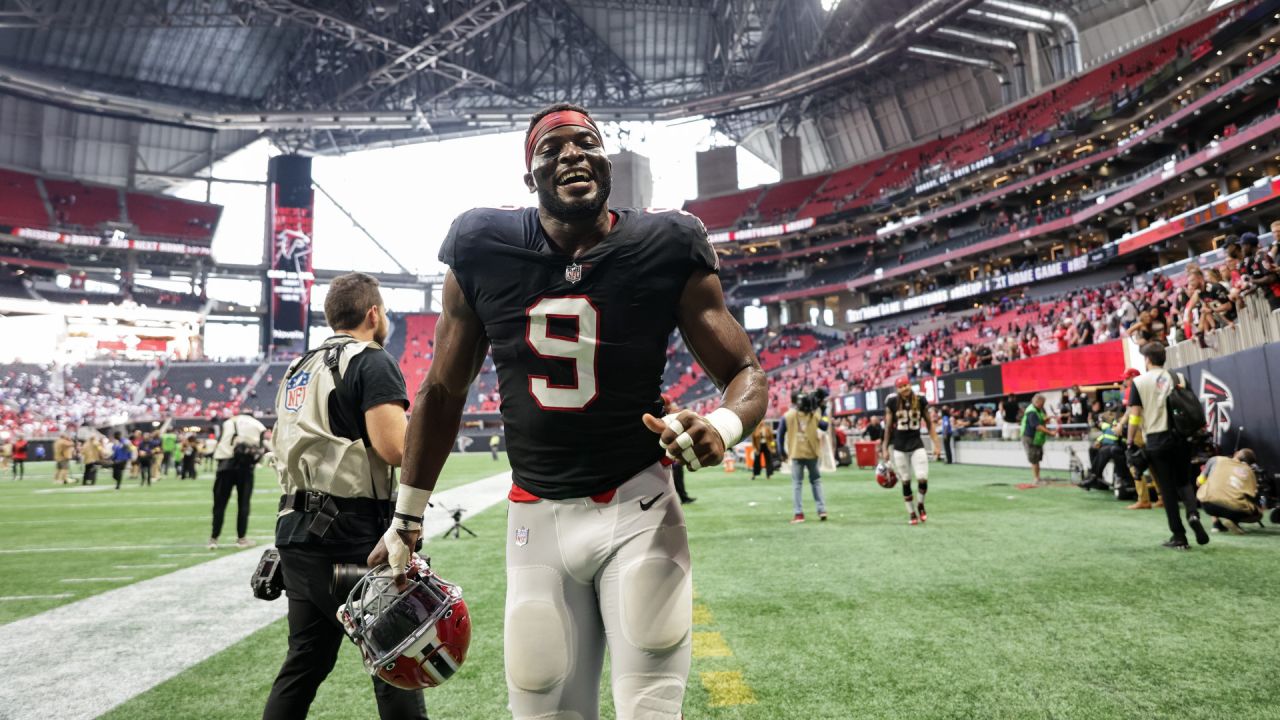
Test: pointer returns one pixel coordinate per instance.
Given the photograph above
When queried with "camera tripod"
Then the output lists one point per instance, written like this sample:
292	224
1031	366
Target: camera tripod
458	527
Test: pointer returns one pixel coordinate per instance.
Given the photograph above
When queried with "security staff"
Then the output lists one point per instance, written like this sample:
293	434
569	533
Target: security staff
237	452
1035	433
341	428
1108	447
1169	455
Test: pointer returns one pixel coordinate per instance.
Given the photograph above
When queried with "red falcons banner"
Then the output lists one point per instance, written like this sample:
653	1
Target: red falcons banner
289	223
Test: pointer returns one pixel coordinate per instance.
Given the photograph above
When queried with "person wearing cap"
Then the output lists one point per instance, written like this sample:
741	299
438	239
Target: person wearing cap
1035	433
578	301
904	414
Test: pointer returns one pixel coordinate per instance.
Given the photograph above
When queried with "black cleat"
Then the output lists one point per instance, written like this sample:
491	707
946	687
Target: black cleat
1202	537
1176	544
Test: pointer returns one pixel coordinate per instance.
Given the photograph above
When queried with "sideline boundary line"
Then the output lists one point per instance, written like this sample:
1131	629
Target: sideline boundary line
192	614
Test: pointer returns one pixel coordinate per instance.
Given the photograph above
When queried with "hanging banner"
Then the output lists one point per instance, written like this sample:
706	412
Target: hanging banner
290	204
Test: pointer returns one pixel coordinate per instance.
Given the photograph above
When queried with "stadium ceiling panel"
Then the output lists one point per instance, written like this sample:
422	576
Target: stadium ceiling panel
335	75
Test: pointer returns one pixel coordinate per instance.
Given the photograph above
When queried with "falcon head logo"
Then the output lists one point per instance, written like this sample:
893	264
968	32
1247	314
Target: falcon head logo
1217	399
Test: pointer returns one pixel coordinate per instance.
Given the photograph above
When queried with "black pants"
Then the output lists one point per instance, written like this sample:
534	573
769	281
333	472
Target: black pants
1171	464
1099	457
90	474
946	447
223	482
19	468
188	467
144	467
315	636
1252	515
166	463
762	456
117	471
677	474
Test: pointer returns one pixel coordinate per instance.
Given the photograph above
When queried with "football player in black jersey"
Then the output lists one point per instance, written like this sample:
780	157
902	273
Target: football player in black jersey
904	413
576	302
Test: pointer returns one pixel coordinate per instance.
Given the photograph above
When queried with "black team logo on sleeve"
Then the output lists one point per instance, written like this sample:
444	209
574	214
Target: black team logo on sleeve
646	505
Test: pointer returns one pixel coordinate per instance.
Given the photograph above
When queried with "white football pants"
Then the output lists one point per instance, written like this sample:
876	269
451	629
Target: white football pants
583	576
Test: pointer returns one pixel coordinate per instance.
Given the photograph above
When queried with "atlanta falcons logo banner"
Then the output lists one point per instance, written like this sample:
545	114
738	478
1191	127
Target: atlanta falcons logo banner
1240	394
290	200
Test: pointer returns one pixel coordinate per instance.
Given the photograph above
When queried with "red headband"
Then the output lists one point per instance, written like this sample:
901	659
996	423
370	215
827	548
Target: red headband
550	122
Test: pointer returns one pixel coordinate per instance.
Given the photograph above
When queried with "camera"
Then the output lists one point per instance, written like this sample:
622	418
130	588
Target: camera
267	581
345	577
810	401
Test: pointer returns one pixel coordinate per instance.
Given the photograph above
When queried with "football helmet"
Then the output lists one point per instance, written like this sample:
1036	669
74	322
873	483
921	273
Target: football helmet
886	476
412	638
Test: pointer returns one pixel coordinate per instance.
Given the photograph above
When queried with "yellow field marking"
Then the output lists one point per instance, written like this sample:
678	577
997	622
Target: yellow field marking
702	615
710	644
727	689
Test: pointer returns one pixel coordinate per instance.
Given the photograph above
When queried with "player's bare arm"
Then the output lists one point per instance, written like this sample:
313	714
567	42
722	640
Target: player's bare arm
386	425
722	348
460	347
889	422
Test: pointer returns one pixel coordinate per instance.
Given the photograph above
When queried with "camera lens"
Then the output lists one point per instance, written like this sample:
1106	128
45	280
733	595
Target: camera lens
345	577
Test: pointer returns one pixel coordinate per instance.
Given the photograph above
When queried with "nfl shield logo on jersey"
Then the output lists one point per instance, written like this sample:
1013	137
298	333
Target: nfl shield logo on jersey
573	273
296	391
522	537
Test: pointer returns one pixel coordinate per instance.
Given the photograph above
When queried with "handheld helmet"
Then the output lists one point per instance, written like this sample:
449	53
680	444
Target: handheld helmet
886	476
412	638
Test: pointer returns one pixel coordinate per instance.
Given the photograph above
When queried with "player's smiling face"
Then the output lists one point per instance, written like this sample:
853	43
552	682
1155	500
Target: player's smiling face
571	173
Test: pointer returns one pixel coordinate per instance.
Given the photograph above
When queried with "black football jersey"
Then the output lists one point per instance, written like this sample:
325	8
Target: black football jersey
907	419
580	346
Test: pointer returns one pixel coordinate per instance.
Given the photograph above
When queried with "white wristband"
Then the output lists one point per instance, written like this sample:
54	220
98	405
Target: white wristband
728	424
411	505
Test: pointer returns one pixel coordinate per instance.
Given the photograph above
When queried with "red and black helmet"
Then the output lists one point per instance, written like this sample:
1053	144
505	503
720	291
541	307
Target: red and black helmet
412	638
886	476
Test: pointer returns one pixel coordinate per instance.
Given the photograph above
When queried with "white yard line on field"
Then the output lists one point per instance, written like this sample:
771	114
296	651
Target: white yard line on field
84	658
58	596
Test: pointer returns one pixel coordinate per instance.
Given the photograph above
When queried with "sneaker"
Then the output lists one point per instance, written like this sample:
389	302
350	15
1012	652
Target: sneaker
686	501
245	543
1202	537
822	517
915	519
213	543
920	511
1159	504
1231	527
1139	506
799	518
1218	527
1176	544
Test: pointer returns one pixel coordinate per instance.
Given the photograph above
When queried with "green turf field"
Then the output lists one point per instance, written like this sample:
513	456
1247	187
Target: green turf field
1042	603
131	534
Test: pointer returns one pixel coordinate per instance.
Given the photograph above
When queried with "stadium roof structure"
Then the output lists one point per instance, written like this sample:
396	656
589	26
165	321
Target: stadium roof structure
330	76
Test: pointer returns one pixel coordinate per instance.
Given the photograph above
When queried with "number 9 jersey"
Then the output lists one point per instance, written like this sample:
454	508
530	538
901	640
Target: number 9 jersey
580	345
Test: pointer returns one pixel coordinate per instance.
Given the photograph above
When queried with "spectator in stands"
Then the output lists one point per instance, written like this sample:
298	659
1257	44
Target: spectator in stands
1035	432
121	456
874	431
1009	415
62	451
1168	455
1229	491
19	458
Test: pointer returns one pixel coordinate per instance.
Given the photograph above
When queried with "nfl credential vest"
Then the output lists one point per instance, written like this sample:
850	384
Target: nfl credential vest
308	456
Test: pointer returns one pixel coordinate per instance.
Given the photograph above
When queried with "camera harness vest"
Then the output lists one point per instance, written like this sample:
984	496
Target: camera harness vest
319	471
